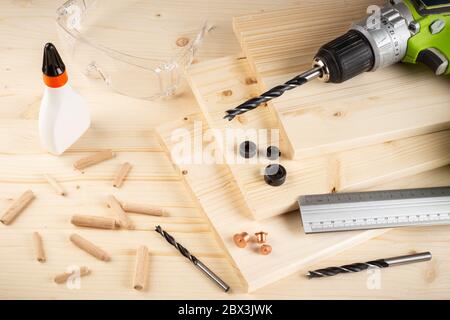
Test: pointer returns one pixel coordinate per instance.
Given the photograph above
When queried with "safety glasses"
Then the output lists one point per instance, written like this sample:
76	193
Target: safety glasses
130	45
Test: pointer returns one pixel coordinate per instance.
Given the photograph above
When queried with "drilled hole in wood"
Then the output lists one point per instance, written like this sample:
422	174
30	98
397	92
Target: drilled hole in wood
185	118
337	114
184	172
333	190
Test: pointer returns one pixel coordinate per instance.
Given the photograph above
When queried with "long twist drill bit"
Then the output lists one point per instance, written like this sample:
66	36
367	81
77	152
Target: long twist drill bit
380	263
193	259
273	93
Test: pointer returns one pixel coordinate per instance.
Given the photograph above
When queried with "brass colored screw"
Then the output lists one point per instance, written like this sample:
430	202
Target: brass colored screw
241	239
261	237
265	249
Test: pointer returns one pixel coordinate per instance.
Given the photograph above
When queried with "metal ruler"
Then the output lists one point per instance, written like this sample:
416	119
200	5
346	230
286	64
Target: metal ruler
375	209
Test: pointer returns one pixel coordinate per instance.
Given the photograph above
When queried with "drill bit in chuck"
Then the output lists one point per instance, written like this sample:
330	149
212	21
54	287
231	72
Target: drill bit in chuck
381	263
193	259
274	92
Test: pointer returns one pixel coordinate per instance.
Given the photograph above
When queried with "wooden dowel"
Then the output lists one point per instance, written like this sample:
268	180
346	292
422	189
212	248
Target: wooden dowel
123	218
143	208
55	185
141	268
62	278
93	159
94	222
89	247
38	247
121	174
17	207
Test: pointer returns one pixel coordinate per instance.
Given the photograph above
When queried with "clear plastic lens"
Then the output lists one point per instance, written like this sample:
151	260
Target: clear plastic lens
129	46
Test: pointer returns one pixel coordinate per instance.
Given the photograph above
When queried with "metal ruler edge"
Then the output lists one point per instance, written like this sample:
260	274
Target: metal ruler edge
375	209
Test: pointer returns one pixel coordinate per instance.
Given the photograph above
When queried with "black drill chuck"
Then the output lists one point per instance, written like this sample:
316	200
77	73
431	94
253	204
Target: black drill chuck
346	56
336	61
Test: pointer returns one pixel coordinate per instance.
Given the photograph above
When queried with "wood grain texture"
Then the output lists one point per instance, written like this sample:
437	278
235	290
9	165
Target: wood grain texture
126	126
392	103
213	187
342	171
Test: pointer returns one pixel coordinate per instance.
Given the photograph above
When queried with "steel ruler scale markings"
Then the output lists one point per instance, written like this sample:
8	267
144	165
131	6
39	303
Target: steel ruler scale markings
375	209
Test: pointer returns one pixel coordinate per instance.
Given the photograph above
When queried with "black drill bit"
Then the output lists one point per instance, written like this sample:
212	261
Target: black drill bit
380	263
273	93
193	259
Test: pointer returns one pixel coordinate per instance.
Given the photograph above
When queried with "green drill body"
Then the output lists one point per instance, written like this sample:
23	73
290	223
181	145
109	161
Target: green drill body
424	39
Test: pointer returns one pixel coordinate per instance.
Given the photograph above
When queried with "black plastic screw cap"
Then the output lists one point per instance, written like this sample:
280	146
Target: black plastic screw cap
247	149
275	175
52	64
273	153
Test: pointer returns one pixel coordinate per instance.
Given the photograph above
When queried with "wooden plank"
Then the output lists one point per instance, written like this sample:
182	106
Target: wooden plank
124	124
23	278
222	83
23	138
213	187
18	168
393	103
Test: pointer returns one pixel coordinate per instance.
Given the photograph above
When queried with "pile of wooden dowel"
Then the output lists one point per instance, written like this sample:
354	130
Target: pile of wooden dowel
119	220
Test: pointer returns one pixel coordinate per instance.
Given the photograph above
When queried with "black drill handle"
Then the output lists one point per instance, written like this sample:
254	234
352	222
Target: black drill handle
347	56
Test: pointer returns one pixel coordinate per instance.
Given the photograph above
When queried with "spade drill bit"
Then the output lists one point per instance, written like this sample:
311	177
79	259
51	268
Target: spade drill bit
193	259
381	263
274	92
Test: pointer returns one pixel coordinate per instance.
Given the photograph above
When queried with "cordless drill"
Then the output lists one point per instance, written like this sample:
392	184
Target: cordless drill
412	31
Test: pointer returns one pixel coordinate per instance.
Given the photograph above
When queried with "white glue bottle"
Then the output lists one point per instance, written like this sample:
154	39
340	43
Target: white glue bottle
64	114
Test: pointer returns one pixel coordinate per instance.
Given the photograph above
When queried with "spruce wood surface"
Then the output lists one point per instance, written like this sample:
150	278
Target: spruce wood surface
126	126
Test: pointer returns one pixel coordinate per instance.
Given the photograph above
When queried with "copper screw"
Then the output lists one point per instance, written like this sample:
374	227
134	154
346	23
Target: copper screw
261	237
241	239
265	249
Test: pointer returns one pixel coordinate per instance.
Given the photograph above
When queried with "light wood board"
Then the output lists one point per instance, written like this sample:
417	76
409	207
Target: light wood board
213	187
392	103
221	83
125	124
